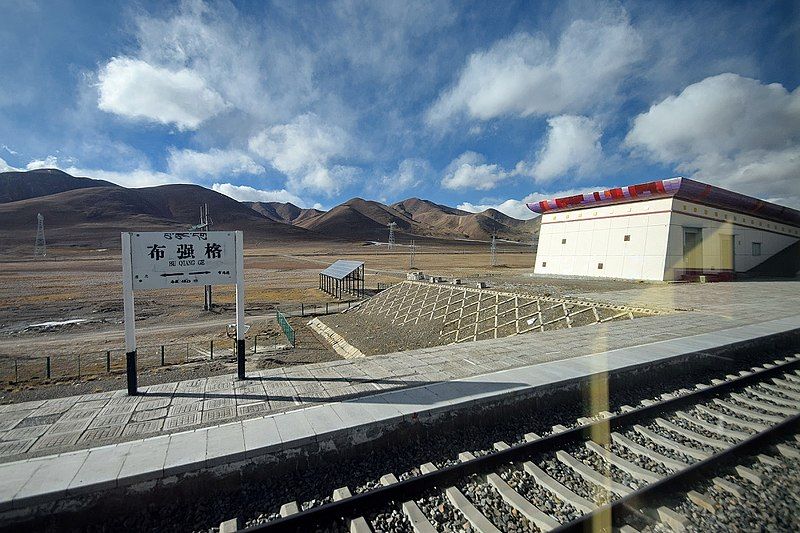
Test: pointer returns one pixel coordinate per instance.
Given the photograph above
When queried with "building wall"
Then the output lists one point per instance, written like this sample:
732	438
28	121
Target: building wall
575	243
717	225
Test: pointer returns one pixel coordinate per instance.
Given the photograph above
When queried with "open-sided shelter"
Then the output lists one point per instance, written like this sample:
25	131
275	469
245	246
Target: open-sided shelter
343	277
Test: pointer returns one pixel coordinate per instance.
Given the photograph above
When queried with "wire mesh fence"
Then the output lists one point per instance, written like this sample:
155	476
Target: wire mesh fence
66	366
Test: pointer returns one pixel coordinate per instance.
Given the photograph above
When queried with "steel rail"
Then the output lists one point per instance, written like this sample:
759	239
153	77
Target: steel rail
653	494
412	488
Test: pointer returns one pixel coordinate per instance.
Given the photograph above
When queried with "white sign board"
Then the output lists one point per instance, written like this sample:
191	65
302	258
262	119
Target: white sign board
173	259
164	259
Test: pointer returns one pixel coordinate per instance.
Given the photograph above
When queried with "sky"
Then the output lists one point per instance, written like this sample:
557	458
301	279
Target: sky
469	104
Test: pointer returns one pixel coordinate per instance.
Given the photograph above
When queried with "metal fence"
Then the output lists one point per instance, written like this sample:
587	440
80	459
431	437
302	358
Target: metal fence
64	366
285	326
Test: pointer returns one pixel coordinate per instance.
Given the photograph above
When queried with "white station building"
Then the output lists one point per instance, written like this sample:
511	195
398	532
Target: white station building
671	230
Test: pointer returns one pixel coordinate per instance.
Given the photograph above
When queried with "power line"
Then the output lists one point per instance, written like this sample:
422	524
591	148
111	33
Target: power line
413	254
494	249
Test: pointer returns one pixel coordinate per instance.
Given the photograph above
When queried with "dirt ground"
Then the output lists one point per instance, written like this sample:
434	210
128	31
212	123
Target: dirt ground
85	286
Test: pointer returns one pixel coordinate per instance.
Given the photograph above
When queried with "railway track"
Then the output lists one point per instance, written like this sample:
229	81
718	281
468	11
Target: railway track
679	462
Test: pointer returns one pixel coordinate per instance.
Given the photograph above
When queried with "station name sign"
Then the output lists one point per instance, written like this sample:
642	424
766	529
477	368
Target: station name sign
174	259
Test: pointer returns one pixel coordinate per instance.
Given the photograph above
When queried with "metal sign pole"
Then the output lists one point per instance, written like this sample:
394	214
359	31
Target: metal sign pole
239	238
129	317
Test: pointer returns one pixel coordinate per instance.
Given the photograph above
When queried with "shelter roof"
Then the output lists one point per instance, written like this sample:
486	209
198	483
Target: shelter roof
342	268
682	188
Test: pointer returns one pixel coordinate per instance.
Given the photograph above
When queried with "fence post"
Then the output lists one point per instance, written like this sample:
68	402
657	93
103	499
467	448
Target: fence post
212	349
48	367
79	365
187	352
326	308
108	361
302	310
162	355
255	344
16	371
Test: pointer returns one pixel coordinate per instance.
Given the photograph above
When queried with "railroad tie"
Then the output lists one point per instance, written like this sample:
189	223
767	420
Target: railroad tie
689	434
669	443
288	509
628	529
463	457
727	486
388	479
501	445
418	520
788	385
748	474
719	429
358	524
530	437
755	415
230	526
591	475
514	499
785	411
755	426
702	500
788	451
769	461
675	521
560	491
789	399
644	451
788	394
626	466
427	468
470	512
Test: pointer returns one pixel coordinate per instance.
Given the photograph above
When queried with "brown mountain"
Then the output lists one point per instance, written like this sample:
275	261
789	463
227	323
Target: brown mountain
95	216
359	219
288	213
443	221
368	220
15	186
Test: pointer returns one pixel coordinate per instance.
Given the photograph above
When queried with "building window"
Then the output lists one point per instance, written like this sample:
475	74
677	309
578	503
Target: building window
544	264
756	248
599	266
563	241
626	238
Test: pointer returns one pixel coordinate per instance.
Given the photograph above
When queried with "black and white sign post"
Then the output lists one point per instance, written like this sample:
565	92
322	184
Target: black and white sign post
161	260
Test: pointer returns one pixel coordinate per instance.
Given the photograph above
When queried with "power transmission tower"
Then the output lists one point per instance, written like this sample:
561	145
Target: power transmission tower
40	248
413	253
391	234
494	249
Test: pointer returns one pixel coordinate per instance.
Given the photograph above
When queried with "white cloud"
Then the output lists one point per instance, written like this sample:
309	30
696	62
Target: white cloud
193	164
729	130
9	150
243	193
136	89
306	150
513	208
470	171
410	173
140	177
48	162
524	75
518	208
572	144
5	167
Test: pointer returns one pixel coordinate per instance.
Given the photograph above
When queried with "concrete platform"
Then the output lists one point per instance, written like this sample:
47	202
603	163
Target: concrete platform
77	446
37	481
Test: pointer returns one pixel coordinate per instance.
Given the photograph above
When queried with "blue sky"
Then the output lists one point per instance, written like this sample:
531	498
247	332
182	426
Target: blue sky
470	104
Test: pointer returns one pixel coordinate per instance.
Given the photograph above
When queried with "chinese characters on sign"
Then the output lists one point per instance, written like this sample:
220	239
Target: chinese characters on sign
167	259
